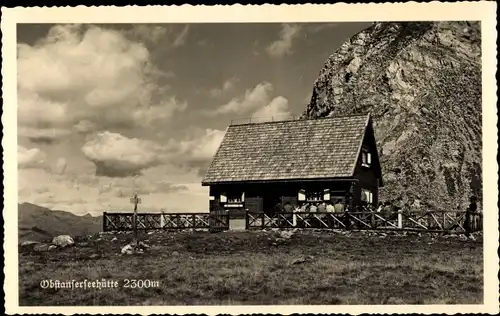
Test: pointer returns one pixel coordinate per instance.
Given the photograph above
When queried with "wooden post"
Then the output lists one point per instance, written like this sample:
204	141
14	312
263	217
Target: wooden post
400	219
135	200
104	221
246	219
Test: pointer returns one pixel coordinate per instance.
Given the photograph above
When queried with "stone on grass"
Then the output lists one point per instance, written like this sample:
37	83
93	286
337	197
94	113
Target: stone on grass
299	260
395	301
29	243
128	249
286	234
63	241
42	247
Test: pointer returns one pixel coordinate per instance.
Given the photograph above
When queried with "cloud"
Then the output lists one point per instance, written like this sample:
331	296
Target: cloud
30	158
115	155
61	166
149	34
277	109
88	74
227	86
168	36
162	112
258	102
283	46
84	192
202	43
181	37
318	27
195	151
84	127
251	100
43	135
202	147
145	187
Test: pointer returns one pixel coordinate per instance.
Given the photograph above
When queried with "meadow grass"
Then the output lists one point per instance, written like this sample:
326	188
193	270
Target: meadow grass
201	268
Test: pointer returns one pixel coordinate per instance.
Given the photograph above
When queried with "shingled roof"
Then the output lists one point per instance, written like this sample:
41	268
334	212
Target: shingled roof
299	149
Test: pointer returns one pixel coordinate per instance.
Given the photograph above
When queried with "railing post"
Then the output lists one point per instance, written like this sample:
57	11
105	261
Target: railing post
193	217
400	219
104	221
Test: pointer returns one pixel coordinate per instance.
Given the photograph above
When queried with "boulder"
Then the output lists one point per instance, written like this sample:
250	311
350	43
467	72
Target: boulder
43	247
128	249
132	248
29	243
286	234
63	241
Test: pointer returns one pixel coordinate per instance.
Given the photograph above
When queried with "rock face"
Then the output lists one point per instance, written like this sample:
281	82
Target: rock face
422	84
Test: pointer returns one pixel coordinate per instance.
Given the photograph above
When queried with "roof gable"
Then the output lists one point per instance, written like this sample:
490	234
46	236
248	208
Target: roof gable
300	149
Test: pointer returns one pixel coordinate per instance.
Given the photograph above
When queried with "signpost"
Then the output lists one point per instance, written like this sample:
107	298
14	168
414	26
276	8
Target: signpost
135	200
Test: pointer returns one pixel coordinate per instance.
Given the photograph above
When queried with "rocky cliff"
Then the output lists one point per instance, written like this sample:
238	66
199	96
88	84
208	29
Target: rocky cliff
422	84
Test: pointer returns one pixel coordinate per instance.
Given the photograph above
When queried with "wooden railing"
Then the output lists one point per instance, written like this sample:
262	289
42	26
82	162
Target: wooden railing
165	221
437	221
422	221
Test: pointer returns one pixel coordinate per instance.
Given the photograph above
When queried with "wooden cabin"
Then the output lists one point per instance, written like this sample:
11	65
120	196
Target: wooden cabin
260	166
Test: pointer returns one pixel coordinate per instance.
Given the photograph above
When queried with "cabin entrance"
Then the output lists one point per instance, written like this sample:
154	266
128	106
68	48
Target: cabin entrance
270	203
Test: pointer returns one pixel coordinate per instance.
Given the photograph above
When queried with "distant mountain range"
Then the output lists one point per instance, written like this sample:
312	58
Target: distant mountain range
40	223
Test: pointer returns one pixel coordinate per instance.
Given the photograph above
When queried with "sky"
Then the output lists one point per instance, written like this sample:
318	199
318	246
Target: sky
108	110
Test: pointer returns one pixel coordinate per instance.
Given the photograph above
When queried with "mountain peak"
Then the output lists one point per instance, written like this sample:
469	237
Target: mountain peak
422	83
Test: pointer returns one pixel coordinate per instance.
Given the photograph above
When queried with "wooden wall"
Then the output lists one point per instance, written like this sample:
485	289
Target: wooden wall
368	177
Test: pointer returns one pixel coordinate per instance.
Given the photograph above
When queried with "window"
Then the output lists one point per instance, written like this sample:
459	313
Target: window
314	196
366	158
234	197
302	195
366	196
326	195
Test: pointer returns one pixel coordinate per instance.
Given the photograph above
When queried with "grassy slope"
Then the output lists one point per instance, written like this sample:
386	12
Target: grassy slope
254	268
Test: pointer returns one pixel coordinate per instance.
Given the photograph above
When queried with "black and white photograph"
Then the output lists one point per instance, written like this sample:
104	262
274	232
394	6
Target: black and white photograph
206	163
